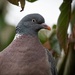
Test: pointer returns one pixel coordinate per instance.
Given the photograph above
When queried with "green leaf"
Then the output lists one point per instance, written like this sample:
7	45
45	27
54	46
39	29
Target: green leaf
43	35
67	0
31	0
16	2
63	23
54	42
54	26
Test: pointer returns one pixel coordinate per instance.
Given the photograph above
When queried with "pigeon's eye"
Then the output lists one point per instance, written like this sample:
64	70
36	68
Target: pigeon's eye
33	20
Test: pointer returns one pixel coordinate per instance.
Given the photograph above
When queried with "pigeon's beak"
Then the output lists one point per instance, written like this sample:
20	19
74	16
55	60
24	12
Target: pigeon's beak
45	26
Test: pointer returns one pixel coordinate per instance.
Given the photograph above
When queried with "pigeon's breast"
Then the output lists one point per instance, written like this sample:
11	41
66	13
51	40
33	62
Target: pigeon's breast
25	56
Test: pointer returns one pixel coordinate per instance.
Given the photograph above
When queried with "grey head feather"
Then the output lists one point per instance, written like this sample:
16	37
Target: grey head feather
30	24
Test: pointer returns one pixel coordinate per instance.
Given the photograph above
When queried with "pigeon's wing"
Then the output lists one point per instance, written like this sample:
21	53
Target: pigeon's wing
52	62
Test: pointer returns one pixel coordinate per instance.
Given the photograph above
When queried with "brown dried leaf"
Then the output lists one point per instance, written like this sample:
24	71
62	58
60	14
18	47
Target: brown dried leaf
22	2
16	2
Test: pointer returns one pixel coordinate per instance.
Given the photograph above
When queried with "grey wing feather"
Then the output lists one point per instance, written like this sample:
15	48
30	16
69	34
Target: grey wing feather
52	61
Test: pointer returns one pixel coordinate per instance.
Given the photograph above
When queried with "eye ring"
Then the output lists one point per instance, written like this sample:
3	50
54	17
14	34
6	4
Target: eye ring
33	20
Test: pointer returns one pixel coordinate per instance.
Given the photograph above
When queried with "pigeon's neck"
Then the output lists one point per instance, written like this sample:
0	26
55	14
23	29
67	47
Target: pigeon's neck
25	41
27	32
24	36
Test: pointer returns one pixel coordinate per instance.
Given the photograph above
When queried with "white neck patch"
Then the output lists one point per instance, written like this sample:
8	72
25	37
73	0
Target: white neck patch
17	36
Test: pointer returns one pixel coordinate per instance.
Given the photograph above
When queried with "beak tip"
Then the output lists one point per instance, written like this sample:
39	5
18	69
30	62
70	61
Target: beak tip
46	26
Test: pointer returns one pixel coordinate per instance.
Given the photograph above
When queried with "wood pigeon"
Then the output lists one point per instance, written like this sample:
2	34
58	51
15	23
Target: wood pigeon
26	55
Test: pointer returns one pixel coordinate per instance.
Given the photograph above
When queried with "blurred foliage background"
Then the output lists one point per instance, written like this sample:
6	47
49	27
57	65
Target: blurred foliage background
7	31
58	41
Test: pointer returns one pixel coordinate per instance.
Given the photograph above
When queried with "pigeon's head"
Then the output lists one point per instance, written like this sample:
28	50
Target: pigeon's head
31	24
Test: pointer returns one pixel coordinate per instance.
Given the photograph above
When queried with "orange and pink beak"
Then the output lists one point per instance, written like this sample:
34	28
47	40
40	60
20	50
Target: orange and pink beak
45	26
